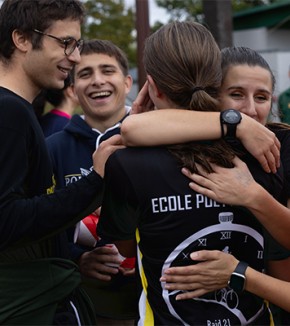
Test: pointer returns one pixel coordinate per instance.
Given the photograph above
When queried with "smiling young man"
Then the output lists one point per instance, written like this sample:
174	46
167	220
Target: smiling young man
101	83
39	45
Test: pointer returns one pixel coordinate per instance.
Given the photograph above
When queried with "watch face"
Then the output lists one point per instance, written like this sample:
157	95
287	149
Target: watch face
237	282
231	116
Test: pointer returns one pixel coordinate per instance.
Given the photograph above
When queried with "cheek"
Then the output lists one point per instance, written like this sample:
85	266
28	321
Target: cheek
227	103
263	112
79	89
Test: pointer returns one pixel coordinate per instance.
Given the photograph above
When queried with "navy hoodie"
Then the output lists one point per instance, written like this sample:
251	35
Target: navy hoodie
71	151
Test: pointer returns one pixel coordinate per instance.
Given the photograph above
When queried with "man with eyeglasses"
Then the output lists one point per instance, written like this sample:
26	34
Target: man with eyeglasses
69	43
39	45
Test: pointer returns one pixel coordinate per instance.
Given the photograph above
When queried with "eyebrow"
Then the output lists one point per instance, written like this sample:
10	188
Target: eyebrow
108	66
102	66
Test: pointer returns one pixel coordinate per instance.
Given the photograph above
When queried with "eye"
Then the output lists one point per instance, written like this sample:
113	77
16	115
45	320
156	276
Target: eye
236	95
69	41
261	98
84	74
109	71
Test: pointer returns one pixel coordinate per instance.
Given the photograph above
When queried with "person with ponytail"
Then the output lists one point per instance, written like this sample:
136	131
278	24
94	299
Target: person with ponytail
157	215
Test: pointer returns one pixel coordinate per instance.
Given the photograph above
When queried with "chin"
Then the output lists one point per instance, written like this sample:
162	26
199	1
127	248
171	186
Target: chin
56	85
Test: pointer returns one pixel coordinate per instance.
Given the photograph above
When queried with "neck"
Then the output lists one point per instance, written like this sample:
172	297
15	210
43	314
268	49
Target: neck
102	124
13	79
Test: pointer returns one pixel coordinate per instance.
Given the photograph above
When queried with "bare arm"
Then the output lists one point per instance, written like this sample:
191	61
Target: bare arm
229	186
173	126
213	273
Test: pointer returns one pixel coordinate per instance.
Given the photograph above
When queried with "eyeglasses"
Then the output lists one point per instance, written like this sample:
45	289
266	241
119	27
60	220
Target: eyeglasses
70	44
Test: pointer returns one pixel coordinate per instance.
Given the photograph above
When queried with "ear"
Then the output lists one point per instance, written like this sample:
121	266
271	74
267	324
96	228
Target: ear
70	92
128	83
20	40
153	87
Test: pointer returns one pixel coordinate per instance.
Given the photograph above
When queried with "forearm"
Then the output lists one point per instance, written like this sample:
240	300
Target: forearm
274	216
170	126
269	288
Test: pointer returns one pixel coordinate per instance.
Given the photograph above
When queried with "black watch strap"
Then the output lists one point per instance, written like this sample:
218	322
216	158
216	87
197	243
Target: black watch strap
241	268
238	277
231	131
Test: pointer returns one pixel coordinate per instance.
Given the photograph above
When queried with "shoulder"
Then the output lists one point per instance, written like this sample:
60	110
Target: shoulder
15	112
56	138
11	102
139	158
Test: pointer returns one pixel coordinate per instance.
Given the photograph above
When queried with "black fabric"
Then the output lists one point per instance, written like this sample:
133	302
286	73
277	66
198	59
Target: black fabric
33	215
146	194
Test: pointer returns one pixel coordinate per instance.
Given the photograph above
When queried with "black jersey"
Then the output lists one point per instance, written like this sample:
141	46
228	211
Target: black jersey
146	194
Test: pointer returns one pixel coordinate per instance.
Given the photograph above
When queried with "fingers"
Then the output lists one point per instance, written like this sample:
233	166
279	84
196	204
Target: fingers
272	158
114	140
106	148
191	294
200	183
127	271
98	263
143	101
100	272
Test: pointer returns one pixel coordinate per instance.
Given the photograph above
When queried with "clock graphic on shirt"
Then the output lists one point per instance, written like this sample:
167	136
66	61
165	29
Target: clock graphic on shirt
232	238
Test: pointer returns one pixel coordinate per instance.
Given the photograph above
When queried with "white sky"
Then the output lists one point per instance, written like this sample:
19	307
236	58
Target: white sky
155	12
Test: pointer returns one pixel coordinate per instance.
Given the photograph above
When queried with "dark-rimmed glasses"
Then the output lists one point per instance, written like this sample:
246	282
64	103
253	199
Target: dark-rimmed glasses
70	43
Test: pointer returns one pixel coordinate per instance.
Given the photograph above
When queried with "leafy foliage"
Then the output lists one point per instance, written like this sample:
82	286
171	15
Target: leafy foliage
192	9
111	20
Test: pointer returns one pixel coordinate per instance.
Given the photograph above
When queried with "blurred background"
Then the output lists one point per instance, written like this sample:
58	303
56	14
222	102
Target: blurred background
262	25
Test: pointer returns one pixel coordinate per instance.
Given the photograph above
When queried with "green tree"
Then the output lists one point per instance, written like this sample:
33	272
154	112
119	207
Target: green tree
111	20
193	8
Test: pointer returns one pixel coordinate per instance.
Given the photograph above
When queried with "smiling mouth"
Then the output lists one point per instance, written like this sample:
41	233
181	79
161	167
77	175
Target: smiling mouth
100	95
64	70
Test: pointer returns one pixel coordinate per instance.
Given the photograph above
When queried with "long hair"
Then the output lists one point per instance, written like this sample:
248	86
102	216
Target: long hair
185	64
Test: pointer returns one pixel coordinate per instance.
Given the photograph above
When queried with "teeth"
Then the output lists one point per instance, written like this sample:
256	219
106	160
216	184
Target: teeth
63	70
100	94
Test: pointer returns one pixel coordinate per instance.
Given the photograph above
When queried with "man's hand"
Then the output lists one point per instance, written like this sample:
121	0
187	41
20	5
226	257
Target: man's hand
106	148
97	263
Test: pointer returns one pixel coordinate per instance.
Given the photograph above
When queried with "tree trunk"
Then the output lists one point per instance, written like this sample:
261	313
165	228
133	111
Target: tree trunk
218	18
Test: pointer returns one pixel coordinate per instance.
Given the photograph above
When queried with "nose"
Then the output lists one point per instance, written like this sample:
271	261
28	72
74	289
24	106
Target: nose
249	107
75	56
98	78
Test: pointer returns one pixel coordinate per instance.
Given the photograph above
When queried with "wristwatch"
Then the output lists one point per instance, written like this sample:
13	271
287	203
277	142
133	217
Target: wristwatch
238	278
231	118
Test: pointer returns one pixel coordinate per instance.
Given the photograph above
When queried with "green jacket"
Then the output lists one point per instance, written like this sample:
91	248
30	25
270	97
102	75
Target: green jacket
47	282
284	106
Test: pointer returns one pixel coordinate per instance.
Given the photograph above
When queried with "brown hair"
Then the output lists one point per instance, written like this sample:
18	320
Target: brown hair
185	63
27	15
